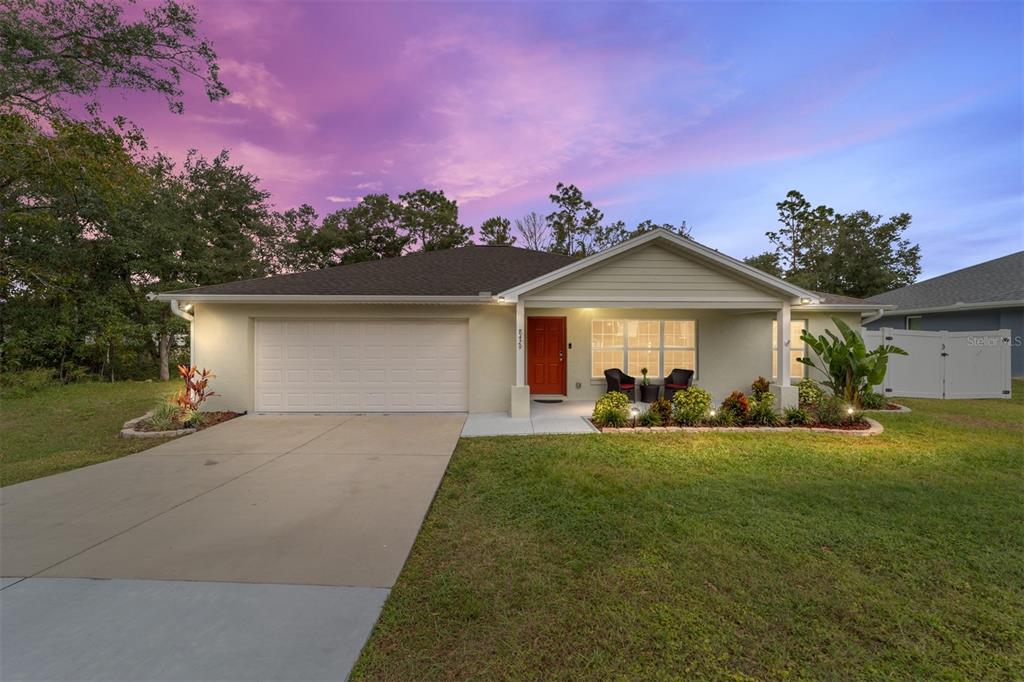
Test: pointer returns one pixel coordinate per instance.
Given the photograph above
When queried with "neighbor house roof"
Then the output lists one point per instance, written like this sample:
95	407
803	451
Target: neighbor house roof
983	285
465	271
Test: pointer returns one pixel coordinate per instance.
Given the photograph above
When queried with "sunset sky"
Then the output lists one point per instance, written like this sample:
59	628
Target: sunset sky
702	112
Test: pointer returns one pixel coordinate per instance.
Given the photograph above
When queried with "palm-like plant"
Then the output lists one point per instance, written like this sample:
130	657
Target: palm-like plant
851	369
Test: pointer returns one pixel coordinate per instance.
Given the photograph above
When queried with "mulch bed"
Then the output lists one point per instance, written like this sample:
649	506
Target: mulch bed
212	419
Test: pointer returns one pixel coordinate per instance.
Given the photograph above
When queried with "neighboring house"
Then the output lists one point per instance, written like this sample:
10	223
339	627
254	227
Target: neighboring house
482	328
983	297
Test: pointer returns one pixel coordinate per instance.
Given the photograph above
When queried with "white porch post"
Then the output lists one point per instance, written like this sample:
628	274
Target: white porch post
785	394
519	404
783	318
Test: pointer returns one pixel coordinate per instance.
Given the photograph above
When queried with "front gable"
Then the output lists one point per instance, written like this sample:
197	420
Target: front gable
653	272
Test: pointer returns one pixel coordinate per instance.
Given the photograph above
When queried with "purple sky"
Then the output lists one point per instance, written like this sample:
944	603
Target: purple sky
703	112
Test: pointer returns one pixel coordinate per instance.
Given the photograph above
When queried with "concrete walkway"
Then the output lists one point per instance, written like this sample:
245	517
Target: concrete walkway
569	416
260	548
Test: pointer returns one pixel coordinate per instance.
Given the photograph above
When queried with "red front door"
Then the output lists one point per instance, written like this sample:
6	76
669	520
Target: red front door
545	354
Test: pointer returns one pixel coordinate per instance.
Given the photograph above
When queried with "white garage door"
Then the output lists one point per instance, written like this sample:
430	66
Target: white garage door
361	366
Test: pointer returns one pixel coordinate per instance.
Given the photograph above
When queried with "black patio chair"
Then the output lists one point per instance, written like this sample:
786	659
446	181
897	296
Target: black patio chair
622	382
677	380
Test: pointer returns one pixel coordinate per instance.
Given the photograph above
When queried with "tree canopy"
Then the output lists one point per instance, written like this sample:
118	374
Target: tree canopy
856	254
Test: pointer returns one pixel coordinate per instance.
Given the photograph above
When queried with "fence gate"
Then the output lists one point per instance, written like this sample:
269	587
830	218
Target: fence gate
945	364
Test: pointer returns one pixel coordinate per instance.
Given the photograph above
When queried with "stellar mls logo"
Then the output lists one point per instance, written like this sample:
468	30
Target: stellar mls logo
981	341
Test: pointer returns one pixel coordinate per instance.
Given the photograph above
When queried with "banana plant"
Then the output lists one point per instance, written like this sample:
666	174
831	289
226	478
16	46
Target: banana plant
851	369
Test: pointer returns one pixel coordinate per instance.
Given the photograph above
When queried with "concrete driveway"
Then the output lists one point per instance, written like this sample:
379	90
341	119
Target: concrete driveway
259	548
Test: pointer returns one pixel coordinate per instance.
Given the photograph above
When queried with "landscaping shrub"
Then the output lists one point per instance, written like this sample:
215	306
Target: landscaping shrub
663	408
810	392
690	407
611	409
650	418
797	416
832	411
737	404
166	416
760	387
873	401
762	411
196	390
725	418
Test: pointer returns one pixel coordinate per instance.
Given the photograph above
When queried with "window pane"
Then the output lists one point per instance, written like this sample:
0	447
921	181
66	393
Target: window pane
606	334
605	359
914	322
680	333
797	348
796	329
644	333
680	359
643	358
796	369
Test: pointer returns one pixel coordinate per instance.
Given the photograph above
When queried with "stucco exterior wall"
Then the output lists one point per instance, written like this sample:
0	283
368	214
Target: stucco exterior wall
733	348
224	343
970	321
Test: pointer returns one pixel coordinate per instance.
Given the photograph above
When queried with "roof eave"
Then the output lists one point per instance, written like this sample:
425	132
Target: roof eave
323	298
955	307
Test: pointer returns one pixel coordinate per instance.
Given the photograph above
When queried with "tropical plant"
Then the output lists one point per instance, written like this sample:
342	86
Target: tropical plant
611	409
762	411
644	381
851	369
196	390
725	418
760	387
797	416
737	405
663	408
690	407
809	391
166	416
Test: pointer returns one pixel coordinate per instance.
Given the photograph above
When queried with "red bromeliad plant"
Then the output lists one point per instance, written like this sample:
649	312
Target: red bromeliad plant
195	392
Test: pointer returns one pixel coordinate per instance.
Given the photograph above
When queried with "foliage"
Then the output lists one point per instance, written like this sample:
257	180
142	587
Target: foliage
497	231
856	254
870	400
193	418
809	392
644	381
611	409
196	391
663	408
52	50
737	405
797	416
760	387
725	418
690	407
682	230
832	411
650	418
762	411
166	416
25	383
431	220
851	369
575	223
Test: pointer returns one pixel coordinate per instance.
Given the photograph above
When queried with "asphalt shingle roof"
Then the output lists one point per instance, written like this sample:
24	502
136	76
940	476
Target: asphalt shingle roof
996	280
464	271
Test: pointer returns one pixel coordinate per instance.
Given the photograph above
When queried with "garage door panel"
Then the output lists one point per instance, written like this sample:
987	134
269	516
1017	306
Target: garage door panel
348	365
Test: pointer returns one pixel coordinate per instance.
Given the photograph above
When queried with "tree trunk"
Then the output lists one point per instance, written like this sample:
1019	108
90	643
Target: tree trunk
165	353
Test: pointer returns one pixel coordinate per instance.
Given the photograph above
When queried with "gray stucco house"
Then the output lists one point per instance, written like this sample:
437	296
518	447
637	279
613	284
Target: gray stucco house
982	297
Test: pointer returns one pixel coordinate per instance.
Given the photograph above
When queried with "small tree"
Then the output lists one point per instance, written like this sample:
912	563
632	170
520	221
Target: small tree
849	367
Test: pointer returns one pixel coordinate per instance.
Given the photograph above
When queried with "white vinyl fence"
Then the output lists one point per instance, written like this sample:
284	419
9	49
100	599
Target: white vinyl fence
945	364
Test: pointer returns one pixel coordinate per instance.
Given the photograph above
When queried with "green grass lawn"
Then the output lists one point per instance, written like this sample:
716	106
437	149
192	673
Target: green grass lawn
726	556
65	427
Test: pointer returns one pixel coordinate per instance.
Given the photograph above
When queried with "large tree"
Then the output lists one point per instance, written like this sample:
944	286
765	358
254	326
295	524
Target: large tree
534	230
53	50
431	221
856	254
575	222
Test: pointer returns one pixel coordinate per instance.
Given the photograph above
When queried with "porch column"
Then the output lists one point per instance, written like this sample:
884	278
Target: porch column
785	394
519	404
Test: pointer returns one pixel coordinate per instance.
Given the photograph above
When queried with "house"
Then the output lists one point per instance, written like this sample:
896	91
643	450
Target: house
484	328
982	297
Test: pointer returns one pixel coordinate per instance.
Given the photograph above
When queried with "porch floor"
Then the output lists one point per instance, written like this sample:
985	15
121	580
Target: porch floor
566	417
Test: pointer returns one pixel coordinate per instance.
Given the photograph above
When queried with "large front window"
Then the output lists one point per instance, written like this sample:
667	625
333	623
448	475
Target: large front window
797	348
630	345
